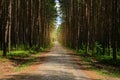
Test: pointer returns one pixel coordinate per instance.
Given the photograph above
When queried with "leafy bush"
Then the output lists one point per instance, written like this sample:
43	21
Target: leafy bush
108	60
20	47
32	51
104	58
98	48
42	49
81	51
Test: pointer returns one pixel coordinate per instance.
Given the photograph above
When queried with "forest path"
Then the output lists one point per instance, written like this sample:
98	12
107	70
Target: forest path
58	65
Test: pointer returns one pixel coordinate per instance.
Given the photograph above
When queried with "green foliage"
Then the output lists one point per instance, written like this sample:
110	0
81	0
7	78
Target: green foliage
118	52
42	49
32	51
21	47
3	59
107	72
82	50
19	54
87	59
25	65
98	48
47	47
1	53
108	60
103	59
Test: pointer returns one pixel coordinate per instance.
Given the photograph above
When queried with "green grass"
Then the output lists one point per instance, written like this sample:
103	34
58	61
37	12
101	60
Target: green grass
106	72
108	60
23	57
21	68
22	52
26	54
25	65
2	58
1	53
103	60
18	54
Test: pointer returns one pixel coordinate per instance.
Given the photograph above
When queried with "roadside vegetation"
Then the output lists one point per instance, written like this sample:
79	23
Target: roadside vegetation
91	27
102	64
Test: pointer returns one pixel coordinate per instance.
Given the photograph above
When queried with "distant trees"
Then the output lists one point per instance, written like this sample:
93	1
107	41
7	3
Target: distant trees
92	24
27	23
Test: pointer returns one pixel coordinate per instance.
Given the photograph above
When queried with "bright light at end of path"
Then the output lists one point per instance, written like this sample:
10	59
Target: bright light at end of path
58	19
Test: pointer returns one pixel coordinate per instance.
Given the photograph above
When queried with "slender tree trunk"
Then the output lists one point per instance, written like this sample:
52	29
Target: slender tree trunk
10	23
114	29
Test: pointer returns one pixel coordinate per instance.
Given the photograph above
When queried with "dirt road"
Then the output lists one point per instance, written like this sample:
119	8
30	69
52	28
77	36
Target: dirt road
58	65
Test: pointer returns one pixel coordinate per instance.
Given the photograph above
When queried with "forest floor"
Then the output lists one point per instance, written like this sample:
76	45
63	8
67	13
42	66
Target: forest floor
57	63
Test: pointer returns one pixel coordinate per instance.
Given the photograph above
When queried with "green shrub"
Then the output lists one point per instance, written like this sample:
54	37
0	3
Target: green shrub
108	60
81	51
104	58
98	48
42	49
32	51
118	52
20	47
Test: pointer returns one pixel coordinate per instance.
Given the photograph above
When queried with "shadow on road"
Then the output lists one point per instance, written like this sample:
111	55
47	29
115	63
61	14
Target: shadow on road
58	64
62	76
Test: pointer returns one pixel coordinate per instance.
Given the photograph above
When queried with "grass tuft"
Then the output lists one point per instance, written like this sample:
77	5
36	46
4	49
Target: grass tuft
18	54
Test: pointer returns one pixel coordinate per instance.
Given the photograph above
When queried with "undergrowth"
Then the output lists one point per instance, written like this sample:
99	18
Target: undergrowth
24	65
103	60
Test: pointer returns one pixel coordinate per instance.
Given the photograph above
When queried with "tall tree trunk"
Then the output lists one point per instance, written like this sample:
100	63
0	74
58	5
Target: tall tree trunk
114	29
10	23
